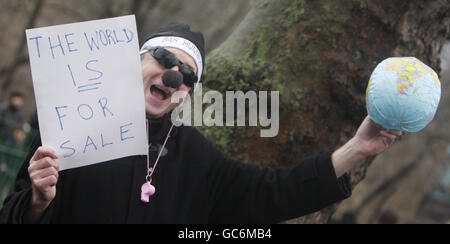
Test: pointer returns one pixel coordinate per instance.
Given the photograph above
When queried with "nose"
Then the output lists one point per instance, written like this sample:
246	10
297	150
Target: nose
175	68
172	78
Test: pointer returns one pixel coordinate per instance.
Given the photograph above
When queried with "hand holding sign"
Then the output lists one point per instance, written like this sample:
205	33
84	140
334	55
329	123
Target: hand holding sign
88	84
43	171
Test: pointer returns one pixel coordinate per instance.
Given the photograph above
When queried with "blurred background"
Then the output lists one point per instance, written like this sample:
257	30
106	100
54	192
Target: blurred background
410	183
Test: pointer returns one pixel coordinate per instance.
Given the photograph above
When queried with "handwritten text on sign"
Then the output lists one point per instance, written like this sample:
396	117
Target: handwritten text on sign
88	84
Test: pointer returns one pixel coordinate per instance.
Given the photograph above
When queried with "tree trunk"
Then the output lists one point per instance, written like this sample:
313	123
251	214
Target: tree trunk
319	54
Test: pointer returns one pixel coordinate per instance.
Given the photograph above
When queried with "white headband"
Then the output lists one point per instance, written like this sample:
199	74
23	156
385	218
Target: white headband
180	43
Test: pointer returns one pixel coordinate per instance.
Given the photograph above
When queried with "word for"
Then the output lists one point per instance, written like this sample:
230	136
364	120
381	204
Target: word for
84	111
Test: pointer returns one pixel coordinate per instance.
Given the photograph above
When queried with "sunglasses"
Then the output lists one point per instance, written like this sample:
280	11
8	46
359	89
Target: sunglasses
168	60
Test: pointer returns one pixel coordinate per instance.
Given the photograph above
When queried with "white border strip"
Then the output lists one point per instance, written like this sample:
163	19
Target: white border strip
180	43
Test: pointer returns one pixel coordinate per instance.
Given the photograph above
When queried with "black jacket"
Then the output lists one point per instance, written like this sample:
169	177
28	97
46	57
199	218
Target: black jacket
195	183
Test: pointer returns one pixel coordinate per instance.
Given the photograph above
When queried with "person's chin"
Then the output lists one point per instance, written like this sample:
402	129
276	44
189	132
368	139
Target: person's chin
155	107
155	111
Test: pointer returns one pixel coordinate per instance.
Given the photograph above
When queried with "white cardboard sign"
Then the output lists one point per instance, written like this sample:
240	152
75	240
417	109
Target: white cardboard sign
88	85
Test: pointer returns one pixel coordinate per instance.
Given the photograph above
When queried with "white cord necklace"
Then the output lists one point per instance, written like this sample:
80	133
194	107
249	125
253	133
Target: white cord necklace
147	189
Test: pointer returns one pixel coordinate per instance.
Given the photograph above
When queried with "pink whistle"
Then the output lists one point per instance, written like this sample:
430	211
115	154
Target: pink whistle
147	190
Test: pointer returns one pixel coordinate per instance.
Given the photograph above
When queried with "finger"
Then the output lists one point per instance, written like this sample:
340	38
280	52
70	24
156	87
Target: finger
44	151
395	132
48	181
387	141
376	127
391	137
43	163
44	173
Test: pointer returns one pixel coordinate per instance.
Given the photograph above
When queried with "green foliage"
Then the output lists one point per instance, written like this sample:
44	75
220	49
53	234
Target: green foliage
293	13
11	158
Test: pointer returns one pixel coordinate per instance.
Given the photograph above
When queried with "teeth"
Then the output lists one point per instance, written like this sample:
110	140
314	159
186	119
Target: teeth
165	94
164	91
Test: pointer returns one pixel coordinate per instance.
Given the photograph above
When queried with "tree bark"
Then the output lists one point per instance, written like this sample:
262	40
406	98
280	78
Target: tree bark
319	54
20	58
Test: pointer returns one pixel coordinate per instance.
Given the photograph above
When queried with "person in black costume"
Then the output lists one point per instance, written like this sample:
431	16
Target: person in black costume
195	182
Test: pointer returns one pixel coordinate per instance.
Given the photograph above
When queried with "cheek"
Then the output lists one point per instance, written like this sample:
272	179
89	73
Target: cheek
180	95
146	73
149	72
147	78
185	88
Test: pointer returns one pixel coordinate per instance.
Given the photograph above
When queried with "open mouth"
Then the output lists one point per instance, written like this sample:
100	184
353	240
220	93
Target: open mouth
159	93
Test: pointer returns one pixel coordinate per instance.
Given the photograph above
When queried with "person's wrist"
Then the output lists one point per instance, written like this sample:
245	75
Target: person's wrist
38	204
35	209
348	156
357	148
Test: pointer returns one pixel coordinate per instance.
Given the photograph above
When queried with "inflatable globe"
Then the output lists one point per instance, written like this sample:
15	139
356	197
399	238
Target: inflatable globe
403	94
